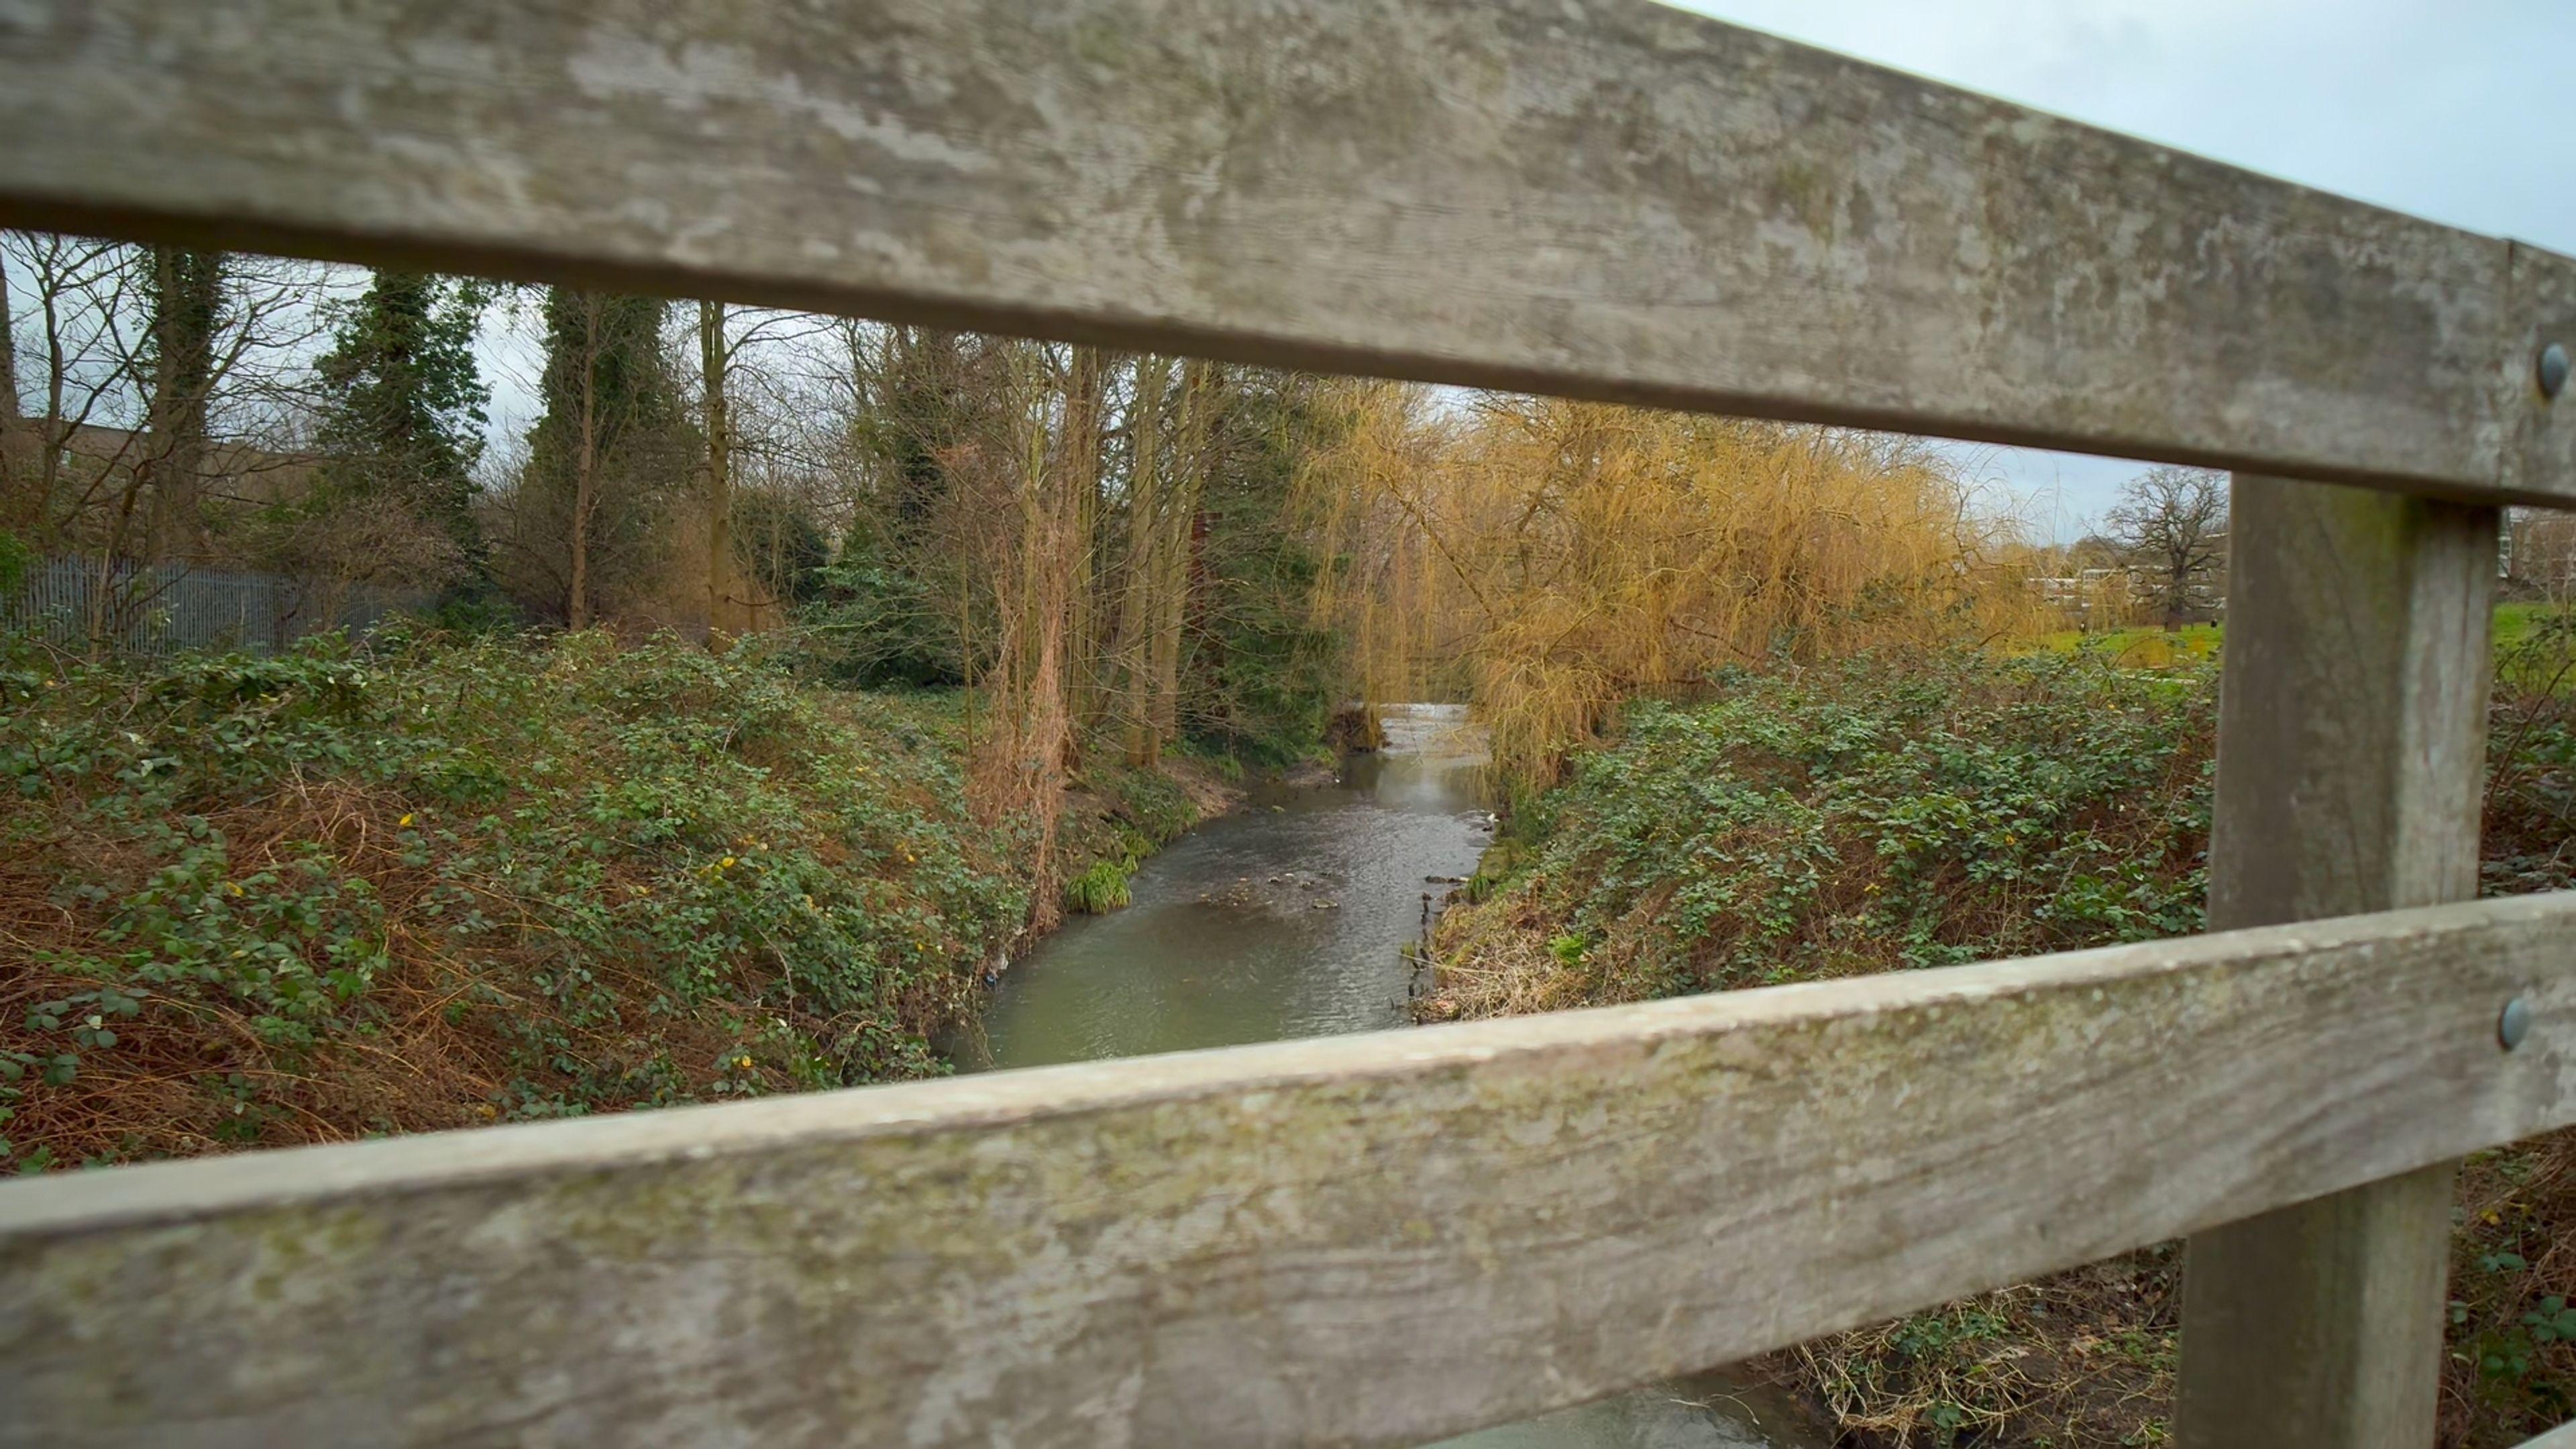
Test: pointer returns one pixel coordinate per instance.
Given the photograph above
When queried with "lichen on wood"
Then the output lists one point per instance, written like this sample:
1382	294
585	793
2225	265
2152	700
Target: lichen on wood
1378	1239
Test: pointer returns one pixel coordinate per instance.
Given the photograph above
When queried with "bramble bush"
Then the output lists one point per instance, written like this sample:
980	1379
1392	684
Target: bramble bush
429	882
1852	818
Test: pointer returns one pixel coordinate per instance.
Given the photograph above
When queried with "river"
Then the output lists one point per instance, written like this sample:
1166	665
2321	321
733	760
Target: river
1288	918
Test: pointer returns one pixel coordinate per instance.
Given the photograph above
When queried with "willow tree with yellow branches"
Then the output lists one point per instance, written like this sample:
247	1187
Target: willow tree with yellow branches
1548	560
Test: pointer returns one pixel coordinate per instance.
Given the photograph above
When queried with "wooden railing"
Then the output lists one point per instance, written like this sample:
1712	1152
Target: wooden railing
1381	1239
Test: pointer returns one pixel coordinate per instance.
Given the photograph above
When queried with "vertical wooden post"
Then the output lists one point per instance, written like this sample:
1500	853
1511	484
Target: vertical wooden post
2351	741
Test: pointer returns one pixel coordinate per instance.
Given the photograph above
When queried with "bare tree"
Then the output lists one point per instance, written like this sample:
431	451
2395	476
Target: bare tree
2172	523
2541	552
15	439
586	532
1147	513
108	411
585	498
750	414
714	354
77	290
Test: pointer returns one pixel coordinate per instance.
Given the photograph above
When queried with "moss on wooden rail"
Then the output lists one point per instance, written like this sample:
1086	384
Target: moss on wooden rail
1368	1240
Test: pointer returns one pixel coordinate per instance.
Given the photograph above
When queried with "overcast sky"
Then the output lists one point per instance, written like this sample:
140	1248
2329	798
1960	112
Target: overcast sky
2462	111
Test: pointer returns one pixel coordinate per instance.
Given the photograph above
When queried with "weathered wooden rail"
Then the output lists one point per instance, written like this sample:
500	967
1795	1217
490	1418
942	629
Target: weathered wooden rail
1381	1239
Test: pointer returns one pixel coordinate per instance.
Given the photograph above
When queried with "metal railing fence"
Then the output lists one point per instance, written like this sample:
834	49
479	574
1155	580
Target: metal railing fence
157	609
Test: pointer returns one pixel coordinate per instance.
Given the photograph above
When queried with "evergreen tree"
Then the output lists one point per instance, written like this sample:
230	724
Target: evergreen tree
184	295
614	444
1257	669
901	595
404	404
921	412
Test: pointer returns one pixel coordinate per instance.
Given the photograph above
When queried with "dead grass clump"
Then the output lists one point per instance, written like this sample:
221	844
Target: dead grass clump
194	1071
2510	1373
2081	1360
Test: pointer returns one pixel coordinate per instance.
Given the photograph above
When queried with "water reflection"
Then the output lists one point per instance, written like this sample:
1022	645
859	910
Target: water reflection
1284	919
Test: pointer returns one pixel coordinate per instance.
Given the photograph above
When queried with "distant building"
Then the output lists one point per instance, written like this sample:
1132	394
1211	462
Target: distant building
227	471
96	491
2116	596
2539	555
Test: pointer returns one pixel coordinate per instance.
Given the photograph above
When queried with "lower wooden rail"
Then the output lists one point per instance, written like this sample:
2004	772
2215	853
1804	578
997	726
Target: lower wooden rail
1365	1240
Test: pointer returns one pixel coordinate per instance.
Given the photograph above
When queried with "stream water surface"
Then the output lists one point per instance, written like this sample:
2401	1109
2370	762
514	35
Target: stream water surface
1288	918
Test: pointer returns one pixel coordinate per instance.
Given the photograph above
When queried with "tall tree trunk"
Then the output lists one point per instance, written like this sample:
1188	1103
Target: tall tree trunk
22	509
713	356
1145	528
9	410
157	465
52	429
1028	752
186	295
585	478
1085	408
1172	587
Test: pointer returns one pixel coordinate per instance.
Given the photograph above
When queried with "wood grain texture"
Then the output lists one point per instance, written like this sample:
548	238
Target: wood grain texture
1369	1240
2352	717
2351	750
1609	199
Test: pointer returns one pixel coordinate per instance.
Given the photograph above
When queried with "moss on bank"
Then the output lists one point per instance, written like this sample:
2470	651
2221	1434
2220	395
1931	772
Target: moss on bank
427	883
1881	815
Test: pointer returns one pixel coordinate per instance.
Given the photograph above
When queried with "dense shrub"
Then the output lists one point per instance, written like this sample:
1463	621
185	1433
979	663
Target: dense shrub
429	883
1853	818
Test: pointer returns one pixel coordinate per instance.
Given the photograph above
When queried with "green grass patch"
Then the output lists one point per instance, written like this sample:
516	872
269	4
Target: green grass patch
2518	623
2145	647
1102	888
2150	647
